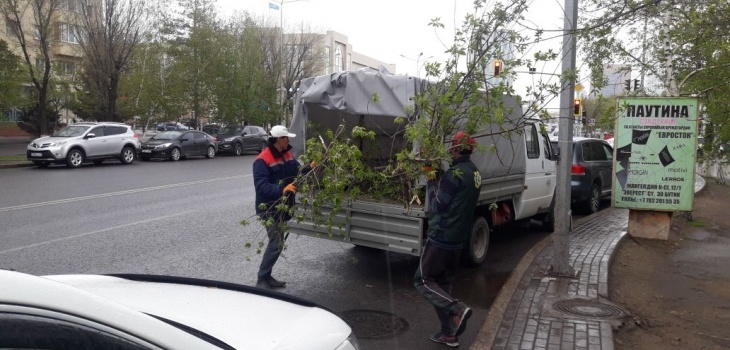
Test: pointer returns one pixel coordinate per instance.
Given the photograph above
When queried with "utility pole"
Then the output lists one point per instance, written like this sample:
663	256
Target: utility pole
560	263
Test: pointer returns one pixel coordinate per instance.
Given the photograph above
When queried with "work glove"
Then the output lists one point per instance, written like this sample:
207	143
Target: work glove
312	164
290	188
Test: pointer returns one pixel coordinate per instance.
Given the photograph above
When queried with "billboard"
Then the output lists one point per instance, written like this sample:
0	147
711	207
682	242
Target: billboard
654	153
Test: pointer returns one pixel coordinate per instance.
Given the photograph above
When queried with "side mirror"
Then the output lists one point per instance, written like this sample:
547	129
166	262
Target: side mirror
183	139
244	133
90	136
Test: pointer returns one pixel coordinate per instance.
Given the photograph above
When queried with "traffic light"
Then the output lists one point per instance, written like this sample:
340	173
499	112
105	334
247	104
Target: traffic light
637	84
627	84
577	107
498	66
583	118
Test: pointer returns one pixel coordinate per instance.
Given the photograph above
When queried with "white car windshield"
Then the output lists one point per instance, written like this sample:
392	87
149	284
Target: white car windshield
71	131
167	135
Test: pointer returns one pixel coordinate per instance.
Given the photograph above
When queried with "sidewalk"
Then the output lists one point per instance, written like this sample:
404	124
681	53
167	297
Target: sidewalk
536	311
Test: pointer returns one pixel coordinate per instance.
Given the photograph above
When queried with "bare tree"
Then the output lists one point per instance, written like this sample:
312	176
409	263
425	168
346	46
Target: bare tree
302	56
108	35
32	22
291	57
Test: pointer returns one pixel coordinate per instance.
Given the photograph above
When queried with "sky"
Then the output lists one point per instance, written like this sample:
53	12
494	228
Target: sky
397	31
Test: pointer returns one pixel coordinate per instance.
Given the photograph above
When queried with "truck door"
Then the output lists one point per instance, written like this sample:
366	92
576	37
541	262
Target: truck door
540	173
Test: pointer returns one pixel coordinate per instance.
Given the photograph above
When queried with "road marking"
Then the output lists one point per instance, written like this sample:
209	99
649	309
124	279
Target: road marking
111	194
91	233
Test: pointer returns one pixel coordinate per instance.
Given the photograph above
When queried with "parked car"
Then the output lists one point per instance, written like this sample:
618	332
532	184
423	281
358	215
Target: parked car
159	312
171	126
212	129
239	139
178	144
591	173
81	142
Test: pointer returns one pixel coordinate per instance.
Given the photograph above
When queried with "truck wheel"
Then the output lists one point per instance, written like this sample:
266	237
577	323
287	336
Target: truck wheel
548	222
478	244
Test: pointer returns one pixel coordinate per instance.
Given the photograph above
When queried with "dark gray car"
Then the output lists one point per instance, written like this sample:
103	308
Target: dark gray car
238	139
178	144
591	171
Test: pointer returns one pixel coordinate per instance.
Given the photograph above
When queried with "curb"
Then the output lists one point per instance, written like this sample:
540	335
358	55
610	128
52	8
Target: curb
16	165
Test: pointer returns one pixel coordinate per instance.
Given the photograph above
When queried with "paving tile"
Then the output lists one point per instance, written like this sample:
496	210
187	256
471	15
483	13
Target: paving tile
591	246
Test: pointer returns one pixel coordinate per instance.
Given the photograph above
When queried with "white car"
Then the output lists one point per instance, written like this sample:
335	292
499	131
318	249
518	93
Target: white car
159	312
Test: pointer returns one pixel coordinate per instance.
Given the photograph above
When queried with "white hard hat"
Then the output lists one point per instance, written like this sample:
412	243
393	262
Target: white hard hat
280	131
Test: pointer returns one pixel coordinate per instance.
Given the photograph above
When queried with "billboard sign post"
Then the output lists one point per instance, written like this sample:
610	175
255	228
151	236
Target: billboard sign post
655	149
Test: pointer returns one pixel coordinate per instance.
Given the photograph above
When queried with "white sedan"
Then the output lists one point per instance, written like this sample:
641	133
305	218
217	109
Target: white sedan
159	312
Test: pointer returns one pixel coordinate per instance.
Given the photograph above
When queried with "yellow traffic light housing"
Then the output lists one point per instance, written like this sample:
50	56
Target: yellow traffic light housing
577	107
498	66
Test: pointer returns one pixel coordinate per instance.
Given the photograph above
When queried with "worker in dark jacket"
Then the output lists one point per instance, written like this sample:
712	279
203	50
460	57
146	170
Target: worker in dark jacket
452	199
274	171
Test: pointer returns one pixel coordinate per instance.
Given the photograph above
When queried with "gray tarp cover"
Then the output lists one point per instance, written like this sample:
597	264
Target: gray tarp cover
347	98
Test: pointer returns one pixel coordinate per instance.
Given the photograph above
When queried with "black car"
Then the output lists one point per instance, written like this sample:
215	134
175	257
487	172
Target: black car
178	144
239	139
591	173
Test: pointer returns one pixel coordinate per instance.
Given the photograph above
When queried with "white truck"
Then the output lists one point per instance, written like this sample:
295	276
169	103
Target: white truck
518	169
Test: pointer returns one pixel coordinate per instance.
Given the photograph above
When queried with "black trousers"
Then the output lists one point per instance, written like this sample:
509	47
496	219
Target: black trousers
433	280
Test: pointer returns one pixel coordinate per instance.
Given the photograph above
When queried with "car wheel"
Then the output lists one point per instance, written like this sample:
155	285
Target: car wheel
128	155
238	149
593	202
478	244
210	153
41	163
74	158
175	154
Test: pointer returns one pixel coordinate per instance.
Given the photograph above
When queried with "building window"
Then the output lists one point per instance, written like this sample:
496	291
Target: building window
72	5
349	61
40	63
68	33
327	60
66	68
11	27
338	58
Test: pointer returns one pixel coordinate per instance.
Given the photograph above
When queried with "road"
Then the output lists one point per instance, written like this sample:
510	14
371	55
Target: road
182	218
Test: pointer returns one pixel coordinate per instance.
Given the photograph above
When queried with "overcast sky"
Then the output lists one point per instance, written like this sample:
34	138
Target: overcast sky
389	29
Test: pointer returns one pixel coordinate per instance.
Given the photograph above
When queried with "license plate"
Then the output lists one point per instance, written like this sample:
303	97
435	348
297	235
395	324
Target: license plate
146	151
36	154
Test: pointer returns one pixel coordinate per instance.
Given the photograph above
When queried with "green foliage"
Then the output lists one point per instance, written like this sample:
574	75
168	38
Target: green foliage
11	79
634	34
32	117
388	167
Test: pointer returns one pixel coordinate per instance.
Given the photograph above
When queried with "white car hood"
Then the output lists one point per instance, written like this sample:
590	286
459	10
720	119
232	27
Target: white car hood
50	139
240	319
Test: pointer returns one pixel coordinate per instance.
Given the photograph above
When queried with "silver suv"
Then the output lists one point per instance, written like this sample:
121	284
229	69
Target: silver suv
81	142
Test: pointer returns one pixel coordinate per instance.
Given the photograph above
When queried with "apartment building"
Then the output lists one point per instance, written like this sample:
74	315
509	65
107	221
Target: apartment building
65	53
